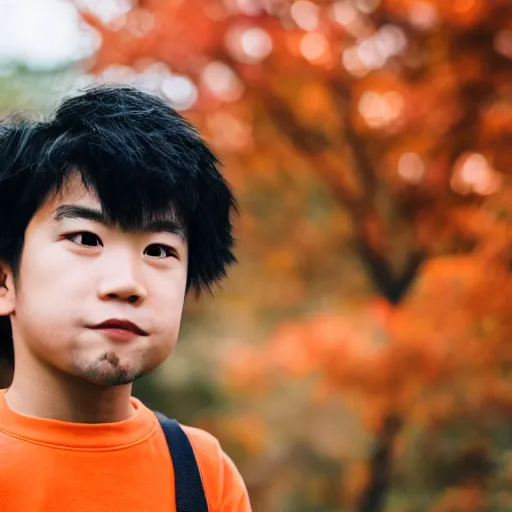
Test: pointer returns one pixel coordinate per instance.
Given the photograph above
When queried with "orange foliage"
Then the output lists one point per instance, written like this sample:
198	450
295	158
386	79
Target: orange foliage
468	499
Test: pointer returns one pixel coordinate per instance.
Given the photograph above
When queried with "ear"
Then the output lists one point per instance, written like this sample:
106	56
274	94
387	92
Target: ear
7	291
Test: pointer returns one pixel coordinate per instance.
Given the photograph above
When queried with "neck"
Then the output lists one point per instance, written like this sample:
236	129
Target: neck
49	393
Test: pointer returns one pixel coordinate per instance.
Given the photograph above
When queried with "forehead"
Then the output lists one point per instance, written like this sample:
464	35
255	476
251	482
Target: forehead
73	191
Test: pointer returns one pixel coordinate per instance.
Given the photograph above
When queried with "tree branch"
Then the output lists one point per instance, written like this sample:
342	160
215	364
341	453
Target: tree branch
393	288
312	144
364	164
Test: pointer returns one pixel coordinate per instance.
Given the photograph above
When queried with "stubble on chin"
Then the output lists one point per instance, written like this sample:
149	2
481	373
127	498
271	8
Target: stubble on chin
106	370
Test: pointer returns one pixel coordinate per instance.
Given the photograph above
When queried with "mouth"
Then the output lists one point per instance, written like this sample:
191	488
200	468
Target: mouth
115	324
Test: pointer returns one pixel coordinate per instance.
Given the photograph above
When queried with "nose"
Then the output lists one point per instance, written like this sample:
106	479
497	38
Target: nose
122	280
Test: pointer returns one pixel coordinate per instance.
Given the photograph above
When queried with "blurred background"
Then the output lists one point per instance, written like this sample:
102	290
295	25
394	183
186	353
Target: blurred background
358	358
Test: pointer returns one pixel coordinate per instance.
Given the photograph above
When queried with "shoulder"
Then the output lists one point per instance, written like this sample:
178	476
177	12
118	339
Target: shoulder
222	481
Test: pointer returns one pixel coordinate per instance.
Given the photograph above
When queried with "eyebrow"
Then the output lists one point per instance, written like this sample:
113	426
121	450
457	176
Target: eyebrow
70	211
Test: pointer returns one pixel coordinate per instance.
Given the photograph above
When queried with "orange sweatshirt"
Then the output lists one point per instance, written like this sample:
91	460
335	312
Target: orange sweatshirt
49	465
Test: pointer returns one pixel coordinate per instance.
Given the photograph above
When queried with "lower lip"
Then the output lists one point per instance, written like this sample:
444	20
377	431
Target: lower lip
116	334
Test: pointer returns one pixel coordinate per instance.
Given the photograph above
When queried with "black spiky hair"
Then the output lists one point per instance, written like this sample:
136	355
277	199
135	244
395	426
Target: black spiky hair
137	154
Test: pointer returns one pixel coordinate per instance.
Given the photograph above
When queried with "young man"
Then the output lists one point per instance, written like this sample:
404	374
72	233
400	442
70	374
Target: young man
109	213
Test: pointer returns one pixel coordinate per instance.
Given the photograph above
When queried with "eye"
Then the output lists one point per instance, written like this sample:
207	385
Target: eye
160	251
86	239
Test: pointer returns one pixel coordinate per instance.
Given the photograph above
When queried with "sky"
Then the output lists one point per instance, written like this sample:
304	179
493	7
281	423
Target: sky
42	33
45	34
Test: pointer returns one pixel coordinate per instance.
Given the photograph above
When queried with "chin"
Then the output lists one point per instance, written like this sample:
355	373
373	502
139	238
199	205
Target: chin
118	376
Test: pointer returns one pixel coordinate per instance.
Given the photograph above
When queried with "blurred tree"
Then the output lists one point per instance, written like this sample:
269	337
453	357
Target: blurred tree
402	107
403	110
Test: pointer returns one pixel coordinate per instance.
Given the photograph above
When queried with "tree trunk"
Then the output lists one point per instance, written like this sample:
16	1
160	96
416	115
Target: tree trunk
374	495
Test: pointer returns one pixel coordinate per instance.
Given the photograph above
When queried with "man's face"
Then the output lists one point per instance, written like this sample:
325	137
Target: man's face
84	287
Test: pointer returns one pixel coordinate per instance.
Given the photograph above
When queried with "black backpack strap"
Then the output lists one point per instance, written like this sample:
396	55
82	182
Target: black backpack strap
190	495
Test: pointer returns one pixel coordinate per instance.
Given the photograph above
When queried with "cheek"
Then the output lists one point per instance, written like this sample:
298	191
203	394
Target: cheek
48	292
167	302
167	308
52	288
43	264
